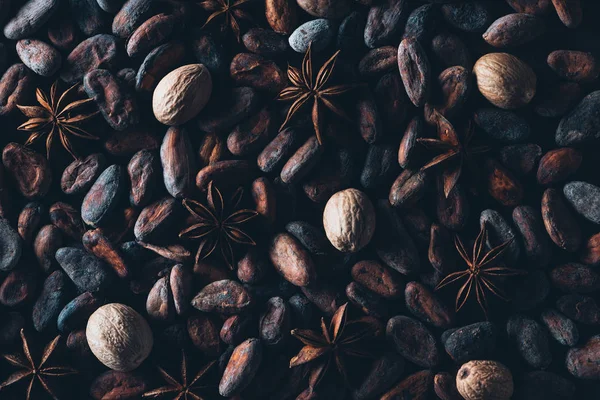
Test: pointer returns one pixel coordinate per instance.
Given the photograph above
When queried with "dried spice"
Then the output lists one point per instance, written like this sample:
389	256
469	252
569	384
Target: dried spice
232	12
342	338
355	202
306	87
218	224
182	389
455	151
38	372
56	116
481	271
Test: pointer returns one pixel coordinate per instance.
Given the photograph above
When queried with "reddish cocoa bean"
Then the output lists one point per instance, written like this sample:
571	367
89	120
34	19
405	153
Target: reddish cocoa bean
414	70
48	240
560	222
29	220
81	174
115	101
378	279
29	169
292	260
67	219
225	297
96	243
255	71
281	15
426	306
252	134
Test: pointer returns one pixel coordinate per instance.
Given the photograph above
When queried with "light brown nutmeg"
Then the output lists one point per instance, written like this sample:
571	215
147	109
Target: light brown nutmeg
349	220
506	81
119	337
484	380
182	94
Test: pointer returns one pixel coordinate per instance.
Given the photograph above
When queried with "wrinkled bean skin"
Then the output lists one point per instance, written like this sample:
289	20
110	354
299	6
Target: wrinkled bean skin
100	51
29	18
15	85
81	174
29	169
116	103
415	70
40	57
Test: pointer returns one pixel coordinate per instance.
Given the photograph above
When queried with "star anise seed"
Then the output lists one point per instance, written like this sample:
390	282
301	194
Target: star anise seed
230	9
454	152
305	88
341	339
480	272
40	372
55	116
182	390
218	224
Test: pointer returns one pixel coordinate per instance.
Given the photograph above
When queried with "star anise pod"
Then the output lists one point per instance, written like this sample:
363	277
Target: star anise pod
232	11
56	116
480	273
218	224
333	344
182	390
40	372
305	88
454	151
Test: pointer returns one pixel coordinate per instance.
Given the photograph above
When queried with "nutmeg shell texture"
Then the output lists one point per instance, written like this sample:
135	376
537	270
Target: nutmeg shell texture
182	94
504	80
349	220
119	337
484	380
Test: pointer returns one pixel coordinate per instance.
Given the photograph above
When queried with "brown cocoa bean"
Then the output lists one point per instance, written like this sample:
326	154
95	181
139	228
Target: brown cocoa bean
292	260
414	70
29	169
561	224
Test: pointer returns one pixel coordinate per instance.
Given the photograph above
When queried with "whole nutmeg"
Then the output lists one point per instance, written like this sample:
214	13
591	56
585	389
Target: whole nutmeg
182	94
504	80
349	220
484	380
119	337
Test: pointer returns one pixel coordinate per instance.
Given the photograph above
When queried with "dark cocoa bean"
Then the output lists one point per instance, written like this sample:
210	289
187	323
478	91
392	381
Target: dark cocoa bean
103	196
531	341
87	272
561	328
413	341
426	306
471	342
392	243
158	63
52	299
76	313
30	17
